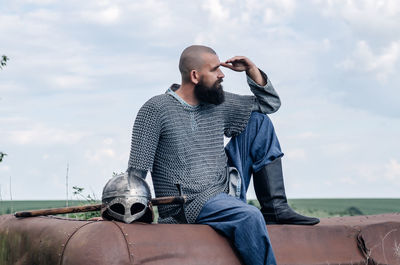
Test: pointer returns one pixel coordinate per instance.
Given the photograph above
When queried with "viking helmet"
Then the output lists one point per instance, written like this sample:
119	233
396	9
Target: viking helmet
127	198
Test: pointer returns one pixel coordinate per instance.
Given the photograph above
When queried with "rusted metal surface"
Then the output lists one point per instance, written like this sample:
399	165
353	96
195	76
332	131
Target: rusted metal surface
49	240
381	244
315	245
336	241
35	240
119	243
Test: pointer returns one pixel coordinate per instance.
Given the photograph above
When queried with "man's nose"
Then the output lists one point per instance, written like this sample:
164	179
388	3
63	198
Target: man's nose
220	74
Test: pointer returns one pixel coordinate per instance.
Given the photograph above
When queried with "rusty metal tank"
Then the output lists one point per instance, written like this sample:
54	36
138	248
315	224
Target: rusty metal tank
52	240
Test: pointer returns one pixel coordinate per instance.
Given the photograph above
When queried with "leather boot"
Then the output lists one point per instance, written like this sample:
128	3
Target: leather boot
270	191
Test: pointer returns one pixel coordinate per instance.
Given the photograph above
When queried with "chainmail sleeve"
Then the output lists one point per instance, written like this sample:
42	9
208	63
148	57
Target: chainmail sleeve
268	100
145	136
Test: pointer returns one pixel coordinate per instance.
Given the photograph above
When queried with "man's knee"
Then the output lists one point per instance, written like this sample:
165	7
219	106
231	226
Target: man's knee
252	215
256	214
259	119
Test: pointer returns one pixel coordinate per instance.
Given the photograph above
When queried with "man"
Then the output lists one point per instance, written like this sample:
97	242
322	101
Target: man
179	137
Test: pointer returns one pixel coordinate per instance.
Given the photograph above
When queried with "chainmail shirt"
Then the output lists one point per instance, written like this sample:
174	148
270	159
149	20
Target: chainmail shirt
183	145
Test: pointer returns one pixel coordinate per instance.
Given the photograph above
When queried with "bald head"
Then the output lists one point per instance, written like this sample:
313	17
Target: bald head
192	59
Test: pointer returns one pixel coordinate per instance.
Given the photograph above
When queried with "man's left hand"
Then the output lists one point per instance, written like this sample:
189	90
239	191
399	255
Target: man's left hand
242	63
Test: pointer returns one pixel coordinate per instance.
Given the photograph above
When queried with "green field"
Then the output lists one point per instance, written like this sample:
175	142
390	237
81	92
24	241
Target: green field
343	207
313	207
7	207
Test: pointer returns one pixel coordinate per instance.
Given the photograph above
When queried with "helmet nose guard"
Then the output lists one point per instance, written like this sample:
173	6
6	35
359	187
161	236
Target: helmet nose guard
126	198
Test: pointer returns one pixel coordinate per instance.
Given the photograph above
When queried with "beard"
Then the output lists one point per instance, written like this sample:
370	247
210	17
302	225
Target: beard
212	95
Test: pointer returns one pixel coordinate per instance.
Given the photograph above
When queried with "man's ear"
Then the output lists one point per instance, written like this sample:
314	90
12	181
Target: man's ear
194	77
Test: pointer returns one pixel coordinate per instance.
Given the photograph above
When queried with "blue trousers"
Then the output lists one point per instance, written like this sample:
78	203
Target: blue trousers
244	224
254	148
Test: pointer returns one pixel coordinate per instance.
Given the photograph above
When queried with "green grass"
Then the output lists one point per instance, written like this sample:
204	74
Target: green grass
312	207
7	207
342	207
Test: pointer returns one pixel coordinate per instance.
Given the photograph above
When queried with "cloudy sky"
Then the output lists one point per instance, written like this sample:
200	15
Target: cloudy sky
80	70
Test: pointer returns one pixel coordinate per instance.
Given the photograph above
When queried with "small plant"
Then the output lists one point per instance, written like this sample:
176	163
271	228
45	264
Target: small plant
88	199
3	61
2	155
78	192
116	174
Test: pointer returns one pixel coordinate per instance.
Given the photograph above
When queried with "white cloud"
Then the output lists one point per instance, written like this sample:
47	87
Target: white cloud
216	10
308	135
104	15
153	18
238	20
326	44
44	15
101	154
369	15
108	141
77	82
347	180
374	173
392	172
380	65
272	12
336	148
276	12
296	153
38	2
40	134
347	64
4	168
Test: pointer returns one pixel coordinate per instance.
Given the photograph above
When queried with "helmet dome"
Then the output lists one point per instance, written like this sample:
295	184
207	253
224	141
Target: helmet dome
126	198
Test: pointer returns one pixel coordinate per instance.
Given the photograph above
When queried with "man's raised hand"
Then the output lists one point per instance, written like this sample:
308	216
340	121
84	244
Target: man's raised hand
242	63
239	64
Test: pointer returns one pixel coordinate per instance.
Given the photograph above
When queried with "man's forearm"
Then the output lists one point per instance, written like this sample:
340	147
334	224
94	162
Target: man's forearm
255	74
268	100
